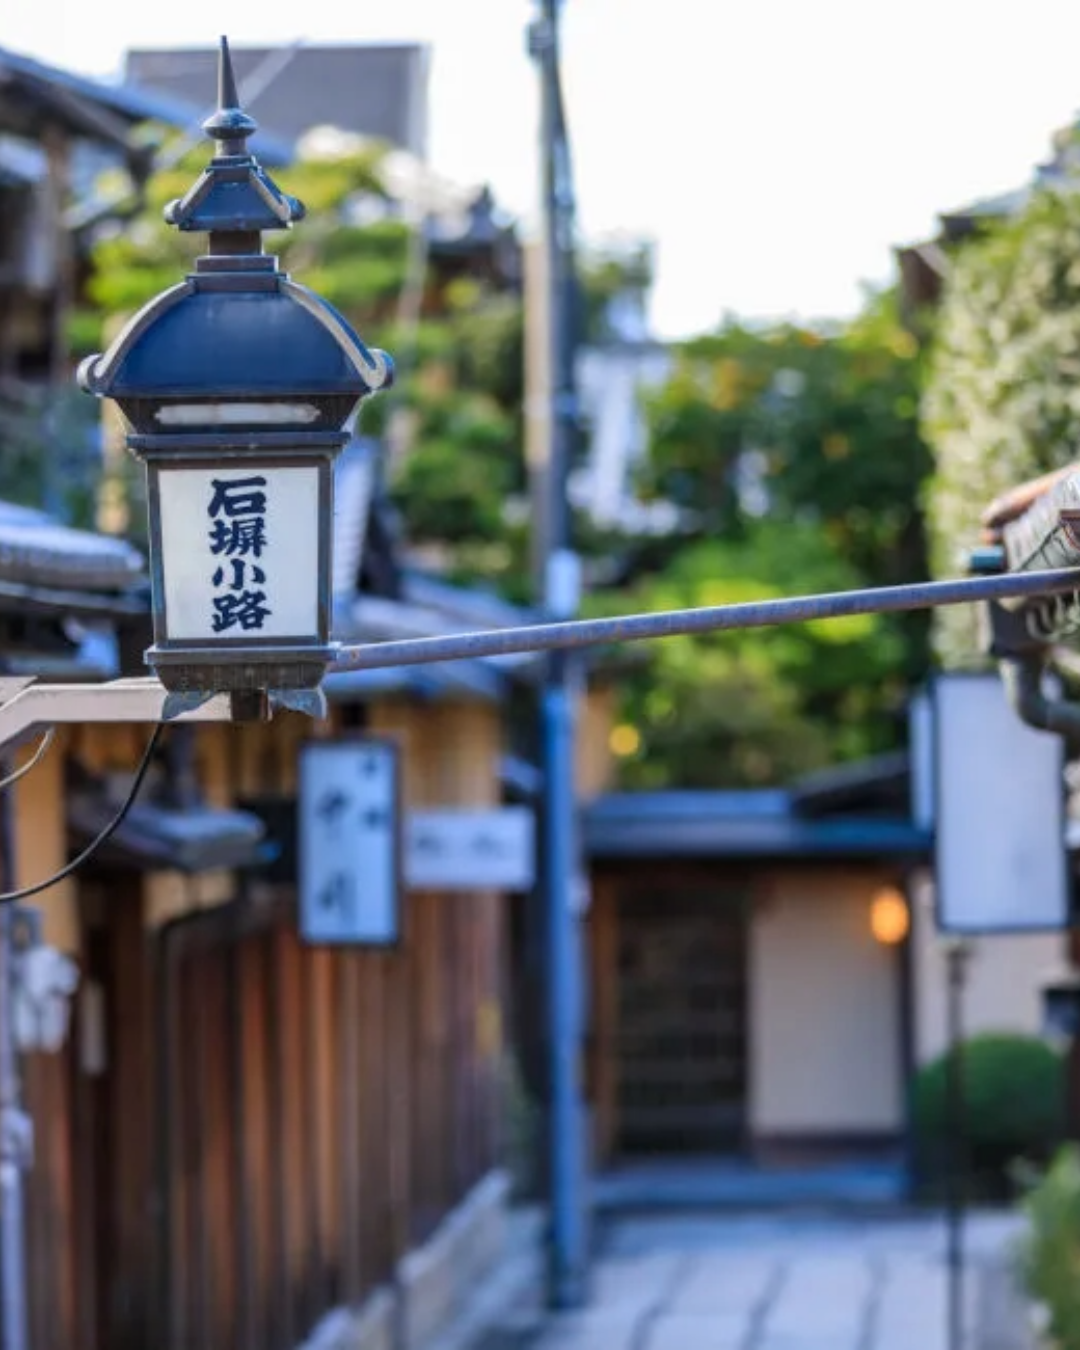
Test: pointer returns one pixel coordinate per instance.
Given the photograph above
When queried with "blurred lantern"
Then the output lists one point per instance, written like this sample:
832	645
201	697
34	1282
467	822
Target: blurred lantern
890	920
236	387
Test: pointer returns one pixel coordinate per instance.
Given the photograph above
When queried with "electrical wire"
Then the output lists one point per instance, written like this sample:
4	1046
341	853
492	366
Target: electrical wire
32	763
25	892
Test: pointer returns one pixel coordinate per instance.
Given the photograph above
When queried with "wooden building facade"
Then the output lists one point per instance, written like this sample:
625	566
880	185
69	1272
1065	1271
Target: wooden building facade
747	1007
242	1132
741	1006
243	1135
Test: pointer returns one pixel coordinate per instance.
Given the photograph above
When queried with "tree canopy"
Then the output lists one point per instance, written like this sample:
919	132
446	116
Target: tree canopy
1002	399
796	458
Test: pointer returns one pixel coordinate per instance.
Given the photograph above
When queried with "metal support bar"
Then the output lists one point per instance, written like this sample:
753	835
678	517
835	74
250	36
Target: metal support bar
25	706
957	955
552	328
712	619
16	1129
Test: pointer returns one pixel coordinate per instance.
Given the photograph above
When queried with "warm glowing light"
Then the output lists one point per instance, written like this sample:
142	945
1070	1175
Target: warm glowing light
624	740
889	917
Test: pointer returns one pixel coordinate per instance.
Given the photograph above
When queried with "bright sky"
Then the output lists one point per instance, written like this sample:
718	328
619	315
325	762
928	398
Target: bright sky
774	150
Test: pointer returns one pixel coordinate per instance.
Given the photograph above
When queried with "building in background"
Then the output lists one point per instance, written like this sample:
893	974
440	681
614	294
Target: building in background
617	369
748	1005
379	91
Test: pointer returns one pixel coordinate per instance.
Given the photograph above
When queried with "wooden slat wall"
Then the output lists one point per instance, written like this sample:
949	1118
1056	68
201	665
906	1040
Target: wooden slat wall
52	1234
276	1125
279	1231
365	1084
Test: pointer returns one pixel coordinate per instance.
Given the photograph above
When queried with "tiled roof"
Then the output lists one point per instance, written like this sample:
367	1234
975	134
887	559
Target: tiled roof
36	550
736	825
127	101
354	483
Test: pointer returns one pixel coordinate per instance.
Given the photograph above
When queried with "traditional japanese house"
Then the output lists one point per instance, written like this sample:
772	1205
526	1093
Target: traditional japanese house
57	131
243	1137
765	976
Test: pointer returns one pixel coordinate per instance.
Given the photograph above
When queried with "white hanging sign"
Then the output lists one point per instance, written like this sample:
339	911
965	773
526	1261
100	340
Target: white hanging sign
999	813
41	1005
471	850
349	842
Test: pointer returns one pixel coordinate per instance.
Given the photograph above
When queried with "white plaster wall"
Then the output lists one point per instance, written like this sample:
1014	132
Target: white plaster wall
1004	976
825	1009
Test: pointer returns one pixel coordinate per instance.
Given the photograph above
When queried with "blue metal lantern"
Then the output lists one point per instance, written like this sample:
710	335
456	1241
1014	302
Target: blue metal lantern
236	387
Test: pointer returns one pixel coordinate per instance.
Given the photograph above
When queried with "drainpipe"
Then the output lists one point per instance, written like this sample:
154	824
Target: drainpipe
1022	677
14	1124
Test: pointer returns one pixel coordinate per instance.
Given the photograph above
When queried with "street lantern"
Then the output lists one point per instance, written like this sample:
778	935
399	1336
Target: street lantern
236	387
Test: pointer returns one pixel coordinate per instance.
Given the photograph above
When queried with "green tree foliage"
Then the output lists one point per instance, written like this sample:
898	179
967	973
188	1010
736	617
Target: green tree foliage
833	419
1002	401
1013	1089
825	425
754	708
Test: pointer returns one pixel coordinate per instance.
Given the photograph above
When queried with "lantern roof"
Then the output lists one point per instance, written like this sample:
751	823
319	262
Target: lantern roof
236	328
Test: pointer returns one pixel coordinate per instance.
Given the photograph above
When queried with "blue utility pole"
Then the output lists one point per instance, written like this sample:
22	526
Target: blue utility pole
557	566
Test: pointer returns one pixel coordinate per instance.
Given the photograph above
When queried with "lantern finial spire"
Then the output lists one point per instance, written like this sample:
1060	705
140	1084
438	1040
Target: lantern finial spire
227	95
230	126
234	199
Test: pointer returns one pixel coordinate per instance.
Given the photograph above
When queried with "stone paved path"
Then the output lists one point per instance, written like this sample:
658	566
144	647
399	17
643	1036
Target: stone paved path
781	1283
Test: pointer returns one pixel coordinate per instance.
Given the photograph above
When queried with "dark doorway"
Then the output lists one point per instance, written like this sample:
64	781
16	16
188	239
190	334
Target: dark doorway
681	1039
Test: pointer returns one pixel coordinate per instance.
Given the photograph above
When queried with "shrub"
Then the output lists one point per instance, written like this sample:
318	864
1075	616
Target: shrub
1050	1250
1013	1108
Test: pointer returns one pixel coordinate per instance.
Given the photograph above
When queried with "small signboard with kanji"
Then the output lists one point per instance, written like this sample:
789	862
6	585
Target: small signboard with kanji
350	842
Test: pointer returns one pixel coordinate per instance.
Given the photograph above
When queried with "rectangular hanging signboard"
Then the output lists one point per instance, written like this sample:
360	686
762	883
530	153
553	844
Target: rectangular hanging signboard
350	872
999	813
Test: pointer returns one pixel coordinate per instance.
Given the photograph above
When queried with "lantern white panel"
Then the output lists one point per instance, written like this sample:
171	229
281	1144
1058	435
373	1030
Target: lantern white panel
349	842
240	552
999	802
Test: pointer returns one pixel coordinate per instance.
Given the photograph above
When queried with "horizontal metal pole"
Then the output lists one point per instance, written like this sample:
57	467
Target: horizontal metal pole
714	619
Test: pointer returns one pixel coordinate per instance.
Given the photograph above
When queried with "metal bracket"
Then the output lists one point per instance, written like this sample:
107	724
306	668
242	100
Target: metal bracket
25	706
1007	632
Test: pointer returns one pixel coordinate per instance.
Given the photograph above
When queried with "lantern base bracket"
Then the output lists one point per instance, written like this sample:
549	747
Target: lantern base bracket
310	702
181	701
248	705
288	670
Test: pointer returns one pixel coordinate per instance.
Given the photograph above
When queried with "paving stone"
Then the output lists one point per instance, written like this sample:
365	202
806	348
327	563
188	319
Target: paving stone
635	1283
706	1331
810	1341
594	1330
765	1285
726	1284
